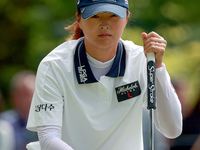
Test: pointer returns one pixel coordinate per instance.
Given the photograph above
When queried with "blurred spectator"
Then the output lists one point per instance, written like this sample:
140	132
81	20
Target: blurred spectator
181	88
6	132
1	102
6	136
190	137
22	88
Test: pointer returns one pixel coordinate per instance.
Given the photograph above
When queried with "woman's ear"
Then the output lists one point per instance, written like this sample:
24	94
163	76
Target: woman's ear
128	15
78	17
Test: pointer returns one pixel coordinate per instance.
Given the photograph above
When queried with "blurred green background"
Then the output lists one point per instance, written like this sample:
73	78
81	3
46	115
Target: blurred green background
30	29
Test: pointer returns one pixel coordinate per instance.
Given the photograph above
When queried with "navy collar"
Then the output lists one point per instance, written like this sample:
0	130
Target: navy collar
82	68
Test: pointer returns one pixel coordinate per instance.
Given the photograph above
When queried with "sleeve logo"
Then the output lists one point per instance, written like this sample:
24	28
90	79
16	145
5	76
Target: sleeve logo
44	107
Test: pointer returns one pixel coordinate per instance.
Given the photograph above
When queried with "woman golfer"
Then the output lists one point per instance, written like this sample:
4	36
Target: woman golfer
90	91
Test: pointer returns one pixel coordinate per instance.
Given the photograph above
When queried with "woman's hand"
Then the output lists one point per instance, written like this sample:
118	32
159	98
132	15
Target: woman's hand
153	42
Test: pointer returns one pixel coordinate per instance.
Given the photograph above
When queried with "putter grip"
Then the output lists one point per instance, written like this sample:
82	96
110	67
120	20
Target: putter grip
151	86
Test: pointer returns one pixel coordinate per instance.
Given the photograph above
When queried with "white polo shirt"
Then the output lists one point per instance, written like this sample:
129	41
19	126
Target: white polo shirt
94	115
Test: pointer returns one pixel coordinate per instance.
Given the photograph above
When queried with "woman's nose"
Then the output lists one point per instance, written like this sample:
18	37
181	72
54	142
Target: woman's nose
103	27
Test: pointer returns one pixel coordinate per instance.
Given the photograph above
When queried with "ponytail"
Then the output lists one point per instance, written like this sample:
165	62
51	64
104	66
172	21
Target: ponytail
75	30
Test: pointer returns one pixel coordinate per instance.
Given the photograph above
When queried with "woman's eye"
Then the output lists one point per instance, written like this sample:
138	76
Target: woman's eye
114	15
95	16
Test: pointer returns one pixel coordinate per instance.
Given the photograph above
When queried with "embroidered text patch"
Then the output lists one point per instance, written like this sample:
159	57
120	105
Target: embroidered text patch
128	91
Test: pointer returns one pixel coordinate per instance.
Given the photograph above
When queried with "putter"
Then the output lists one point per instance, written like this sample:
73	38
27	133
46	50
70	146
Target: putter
151	95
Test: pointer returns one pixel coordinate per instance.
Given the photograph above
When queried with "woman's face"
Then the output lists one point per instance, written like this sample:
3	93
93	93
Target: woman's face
103	30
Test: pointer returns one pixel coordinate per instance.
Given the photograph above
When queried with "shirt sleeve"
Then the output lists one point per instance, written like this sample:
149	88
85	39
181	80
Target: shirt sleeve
168	116
47	103
50	138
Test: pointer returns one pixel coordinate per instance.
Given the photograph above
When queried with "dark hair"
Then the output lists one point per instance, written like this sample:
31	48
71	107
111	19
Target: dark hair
76	31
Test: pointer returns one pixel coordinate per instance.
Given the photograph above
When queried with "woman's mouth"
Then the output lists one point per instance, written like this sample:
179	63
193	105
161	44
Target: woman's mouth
104	35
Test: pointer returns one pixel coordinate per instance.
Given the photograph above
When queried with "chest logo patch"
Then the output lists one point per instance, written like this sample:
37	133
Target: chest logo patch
128	91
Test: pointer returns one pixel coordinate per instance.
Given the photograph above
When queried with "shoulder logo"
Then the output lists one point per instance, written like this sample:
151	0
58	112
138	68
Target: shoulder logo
128	91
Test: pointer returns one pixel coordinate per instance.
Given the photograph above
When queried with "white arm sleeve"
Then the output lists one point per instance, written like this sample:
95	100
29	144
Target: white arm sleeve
50	138
168	116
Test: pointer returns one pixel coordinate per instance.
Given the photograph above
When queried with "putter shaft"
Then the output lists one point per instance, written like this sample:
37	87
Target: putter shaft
151	113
